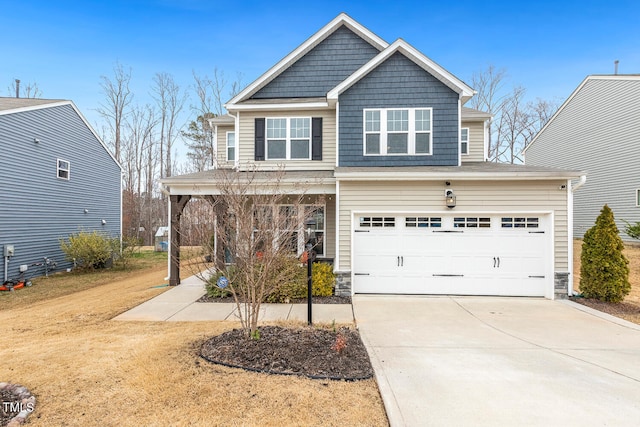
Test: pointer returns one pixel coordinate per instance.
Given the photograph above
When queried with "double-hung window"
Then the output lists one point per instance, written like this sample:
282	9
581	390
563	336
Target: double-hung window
289	138
464	140
397	131
231	146
64	168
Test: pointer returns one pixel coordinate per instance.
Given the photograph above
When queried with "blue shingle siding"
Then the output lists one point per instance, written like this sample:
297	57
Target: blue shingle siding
36	207
399	82
321	69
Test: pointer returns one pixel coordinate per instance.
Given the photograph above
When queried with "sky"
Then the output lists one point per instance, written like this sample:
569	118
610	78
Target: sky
65	46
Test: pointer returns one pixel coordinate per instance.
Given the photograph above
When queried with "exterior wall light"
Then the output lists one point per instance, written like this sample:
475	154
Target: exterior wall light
450	199
104	221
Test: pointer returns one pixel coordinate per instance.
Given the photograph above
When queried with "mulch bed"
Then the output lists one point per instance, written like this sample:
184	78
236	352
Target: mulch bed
618	309
315	353
315	300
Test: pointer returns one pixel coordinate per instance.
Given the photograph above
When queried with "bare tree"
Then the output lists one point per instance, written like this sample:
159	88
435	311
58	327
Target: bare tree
28	90
513	127
170	100
259	225
118	97
541	112
489	86
211	93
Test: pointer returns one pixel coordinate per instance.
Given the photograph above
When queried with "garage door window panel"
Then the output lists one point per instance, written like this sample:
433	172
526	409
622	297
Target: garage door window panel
423	222
520	222
377	222
471	222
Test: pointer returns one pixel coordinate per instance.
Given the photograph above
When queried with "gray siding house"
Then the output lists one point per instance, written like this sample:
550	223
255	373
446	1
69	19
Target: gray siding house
597	130
59	178
380	135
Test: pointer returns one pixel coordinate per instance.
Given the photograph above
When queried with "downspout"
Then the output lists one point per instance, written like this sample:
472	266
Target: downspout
572	189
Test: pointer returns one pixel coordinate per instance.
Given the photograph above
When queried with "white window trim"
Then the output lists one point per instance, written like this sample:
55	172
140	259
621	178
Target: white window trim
287	139
464	153
235	145
301	231
68	169
411	148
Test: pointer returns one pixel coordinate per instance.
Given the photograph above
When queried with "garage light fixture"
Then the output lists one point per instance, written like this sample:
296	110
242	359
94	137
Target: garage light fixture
450	199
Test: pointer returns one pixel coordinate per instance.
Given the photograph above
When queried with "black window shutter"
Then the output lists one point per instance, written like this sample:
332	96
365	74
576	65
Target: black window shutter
316	138
259	141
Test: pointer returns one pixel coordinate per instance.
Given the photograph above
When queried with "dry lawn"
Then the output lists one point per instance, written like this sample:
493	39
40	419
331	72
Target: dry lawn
88	370
632	252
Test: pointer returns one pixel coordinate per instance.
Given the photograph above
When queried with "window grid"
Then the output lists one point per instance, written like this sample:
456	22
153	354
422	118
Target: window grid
423	222
288	138
396	131
464	140
520	222
63	169
377	221
231	146
471	222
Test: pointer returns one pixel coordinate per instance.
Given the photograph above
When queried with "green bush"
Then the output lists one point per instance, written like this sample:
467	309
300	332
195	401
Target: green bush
604	271
90	250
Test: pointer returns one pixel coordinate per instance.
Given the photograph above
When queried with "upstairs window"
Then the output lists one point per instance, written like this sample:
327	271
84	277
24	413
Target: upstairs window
64	169
231	146
289	138
398	131
464	140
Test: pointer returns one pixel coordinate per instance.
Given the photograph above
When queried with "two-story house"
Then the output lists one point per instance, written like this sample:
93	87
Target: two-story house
59	178
410	204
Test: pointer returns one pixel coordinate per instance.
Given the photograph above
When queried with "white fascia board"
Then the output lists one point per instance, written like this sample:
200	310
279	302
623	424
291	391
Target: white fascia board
35	107
435	176
303	49
414	55
296	106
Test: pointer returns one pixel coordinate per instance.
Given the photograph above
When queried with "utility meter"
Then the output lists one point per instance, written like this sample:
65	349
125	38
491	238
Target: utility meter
9	250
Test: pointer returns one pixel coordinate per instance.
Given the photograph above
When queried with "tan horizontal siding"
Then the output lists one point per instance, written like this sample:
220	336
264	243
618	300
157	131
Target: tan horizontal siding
221	145
490	197
476	142
247	142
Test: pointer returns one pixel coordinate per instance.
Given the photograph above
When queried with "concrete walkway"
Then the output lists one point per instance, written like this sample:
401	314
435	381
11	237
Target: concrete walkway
482	361
179	304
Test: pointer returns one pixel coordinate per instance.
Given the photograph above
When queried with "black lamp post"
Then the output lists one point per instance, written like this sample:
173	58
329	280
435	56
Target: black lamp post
310	224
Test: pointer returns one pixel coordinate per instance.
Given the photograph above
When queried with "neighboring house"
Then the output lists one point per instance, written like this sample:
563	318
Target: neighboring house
59	178
410	204
597	129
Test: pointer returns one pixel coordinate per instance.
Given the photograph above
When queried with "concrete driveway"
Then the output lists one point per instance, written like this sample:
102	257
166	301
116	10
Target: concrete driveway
482	361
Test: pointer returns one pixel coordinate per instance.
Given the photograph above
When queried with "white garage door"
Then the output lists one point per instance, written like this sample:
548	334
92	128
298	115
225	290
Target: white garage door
505	254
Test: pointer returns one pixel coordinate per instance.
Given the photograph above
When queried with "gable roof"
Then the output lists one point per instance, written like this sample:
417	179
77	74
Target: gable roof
19	105
304	48
610	77
451	81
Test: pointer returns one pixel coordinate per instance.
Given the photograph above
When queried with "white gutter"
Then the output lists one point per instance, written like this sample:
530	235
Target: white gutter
583	179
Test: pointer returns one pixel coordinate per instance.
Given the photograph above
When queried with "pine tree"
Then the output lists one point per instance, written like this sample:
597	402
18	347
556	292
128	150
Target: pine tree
604	269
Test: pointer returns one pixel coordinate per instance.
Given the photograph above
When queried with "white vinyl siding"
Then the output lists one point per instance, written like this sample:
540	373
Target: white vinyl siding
473	198
397	131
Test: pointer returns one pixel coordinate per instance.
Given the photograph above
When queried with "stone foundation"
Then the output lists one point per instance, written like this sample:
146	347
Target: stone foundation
561	284
343	284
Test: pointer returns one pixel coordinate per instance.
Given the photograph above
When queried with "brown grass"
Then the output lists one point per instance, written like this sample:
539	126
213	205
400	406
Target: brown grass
630	309
85	369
